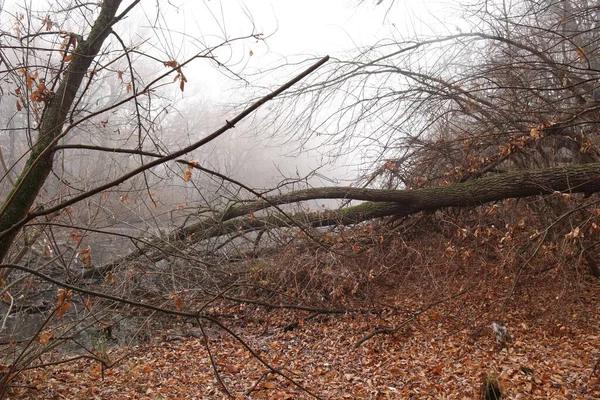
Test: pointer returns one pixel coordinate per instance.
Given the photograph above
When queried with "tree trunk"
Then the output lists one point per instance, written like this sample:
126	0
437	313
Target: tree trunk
38	166
378	203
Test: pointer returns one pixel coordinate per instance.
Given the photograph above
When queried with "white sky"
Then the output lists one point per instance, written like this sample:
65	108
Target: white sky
294	29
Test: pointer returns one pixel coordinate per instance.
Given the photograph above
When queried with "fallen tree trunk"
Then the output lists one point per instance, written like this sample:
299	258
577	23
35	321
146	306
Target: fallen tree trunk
382	203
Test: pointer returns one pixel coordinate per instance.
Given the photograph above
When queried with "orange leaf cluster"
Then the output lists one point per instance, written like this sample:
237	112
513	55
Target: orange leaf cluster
39	94
69	41
177	301
180	76
85	255
63	304
76	236
44	337
47	22
187	175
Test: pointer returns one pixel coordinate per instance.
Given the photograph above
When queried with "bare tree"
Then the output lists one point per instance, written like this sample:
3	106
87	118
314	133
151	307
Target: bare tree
76	91
507	110
517	91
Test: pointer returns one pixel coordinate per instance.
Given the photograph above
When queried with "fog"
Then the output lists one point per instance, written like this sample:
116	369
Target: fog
237	52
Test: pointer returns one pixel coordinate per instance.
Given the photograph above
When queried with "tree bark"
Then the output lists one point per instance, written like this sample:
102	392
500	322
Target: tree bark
40	162
379	203
572	178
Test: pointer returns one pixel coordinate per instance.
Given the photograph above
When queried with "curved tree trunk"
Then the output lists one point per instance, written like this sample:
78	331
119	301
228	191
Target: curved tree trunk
378	203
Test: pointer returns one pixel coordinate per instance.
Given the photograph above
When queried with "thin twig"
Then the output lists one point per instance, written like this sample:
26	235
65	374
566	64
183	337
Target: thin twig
414	315
229	124
213	363
259	358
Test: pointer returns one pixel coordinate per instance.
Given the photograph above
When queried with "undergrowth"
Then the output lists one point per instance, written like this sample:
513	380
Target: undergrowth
512	246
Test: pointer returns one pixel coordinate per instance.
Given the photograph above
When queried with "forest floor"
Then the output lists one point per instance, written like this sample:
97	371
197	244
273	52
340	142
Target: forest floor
438	350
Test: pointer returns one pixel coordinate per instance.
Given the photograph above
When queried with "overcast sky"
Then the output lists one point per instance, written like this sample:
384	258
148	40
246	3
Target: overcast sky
293	29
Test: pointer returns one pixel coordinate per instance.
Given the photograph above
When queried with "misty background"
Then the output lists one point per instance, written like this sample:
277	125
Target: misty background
247	49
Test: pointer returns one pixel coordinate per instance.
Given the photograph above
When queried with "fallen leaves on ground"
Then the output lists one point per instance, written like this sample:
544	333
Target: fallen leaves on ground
442	354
